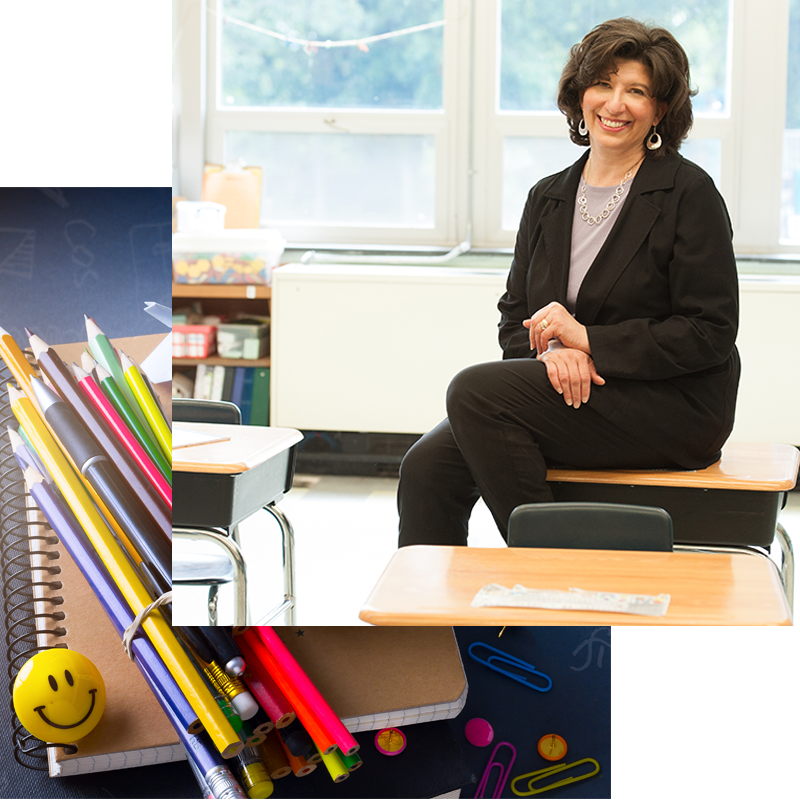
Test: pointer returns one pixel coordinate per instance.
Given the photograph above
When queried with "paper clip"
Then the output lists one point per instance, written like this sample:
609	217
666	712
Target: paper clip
553	770
512	661
502	777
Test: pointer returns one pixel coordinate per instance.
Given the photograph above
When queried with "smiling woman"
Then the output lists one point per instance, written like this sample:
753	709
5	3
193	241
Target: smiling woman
617	327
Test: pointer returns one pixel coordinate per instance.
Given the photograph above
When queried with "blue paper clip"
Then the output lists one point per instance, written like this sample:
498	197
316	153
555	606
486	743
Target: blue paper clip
504	771
511	661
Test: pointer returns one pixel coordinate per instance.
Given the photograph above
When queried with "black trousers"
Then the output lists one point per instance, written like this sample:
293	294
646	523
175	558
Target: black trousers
506	425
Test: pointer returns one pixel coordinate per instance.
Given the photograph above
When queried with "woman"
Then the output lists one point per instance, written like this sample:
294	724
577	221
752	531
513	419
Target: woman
620	315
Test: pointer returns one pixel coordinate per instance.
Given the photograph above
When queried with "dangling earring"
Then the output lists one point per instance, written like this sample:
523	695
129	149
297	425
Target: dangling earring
582	129
654	140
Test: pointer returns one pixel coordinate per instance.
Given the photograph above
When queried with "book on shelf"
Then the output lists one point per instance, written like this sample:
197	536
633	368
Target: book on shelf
247	387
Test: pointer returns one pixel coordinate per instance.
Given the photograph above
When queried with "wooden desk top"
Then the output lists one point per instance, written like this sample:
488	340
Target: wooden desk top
747	466
247	447
434	585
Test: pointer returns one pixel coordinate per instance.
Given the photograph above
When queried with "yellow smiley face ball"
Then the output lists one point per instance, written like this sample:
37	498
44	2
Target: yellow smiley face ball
59	695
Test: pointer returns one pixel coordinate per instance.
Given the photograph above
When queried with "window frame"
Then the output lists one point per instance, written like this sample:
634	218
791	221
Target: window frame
469	131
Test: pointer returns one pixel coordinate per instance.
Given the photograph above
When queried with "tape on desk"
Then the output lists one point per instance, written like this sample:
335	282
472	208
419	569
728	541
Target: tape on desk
494	594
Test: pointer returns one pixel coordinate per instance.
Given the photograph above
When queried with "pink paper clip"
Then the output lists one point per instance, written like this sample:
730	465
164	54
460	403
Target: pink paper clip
502	777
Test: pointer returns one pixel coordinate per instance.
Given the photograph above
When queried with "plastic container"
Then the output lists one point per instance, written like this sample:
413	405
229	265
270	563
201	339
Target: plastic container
246	339
235	255
193	341
200	217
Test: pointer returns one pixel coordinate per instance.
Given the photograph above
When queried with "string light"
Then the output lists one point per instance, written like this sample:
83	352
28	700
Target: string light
361	44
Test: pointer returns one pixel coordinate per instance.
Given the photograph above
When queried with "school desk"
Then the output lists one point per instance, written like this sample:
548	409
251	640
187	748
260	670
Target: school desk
434	585
219	484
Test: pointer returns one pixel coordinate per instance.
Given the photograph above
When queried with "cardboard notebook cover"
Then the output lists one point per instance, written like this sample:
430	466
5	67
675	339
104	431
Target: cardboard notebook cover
373	677
133	730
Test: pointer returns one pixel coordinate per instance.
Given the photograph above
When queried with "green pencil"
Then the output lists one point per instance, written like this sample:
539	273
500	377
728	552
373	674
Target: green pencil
123	407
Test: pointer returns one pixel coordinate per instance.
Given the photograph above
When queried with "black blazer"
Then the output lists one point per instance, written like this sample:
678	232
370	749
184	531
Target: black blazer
660	303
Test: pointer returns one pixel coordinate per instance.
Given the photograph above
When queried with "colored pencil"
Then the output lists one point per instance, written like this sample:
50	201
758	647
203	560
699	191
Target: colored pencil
153	550
123	407
336	768
309	692
72	536
125	577
303	706
274	756
104	353
147	403
64	382
117	424
20	367
300	767
268	695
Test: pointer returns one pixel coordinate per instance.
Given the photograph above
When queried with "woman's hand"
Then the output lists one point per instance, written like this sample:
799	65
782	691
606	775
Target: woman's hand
571	373
554	321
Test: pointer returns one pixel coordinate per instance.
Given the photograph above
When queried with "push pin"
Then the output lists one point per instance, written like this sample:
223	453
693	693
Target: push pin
552	747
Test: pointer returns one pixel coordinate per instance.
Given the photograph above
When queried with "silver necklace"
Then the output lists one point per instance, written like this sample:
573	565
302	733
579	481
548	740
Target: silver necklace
610	205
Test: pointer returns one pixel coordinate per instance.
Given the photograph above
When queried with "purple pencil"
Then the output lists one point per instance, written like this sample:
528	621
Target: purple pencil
71	535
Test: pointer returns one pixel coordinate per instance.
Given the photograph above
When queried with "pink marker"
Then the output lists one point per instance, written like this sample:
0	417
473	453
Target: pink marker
117	424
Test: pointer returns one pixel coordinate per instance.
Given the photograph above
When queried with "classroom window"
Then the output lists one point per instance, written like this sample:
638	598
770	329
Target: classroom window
426	122
790	176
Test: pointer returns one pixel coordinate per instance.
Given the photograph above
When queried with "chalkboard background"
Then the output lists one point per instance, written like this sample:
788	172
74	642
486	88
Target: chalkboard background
69	252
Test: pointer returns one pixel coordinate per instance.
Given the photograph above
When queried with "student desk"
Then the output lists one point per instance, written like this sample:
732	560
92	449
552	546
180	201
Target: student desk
217	485
434	585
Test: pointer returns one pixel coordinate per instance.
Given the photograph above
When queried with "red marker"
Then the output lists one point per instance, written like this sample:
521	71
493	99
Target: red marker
117	424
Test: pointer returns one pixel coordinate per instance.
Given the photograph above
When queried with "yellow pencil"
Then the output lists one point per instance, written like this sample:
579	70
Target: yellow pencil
147	404
20	367
126	578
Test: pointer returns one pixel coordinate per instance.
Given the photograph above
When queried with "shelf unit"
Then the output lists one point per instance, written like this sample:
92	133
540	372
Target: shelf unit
225	300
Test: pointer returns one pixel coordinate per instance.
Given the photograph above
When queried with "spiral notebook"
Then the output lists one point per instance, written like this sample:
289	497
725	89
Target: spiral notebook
133	730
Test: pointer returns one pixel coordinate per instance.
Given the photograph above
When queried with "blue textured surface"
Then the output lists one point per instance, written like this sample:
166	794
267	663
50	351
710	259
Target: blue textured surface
69	252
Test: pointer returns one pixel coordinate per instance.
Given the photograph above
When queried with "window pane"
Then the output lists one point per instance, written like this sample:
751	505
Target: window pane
526	159
535	38
340	179
790	194
313	70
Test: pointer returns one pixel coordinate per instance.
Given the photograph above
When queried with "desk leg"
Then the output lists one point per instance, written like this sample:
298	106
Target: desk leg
237	561
787	567
288	604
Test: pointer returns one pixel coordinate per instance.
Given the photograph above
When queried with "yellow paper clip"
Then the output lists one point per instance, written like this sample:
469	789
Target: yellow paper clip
547	771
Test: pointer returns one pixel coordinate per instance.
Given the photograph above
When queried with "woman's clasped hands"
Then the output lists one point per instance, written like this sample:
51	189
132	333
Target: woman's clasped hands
562	344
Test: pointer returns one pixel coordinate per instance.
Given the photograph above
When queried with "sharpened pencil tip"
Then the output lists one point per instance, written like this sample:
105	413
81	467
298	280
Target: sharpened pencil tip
29	332
14	394
14	438
38	345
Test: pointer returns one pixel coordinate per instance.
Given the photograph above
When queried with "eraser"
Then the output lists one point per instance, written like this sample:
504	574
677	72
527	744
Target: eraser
246	707
479	732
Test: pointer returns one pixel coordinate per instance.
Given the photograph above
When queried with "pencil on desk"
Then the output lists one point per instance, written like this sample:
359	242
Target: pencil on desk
64	382
149	544
123	407
147	403
125	576
123	432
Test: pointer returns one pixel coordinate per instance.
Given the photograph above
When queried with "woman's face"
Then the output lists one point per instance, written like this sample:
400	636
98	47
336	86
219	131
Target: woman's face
620	110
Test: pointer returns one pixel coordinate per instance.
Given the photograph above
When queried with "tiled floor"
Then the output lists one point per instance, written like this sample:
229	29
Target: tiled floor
345	534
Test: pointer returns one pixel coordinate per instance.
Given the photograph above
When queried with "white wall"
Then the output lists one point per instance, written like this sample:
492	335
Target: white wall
359	348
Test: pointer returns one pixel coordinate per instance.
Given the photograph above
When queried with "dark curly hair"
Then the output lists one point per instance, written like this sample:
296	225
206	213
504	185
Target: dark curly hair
627	39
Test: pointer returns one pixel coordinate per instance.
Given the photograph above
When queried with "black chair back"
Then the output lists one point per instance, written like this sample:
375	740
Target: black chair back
187	409
590	526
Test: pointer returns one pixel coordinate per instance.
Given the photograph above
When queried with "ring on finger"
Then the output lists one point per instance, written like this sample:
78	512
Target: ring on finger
543	324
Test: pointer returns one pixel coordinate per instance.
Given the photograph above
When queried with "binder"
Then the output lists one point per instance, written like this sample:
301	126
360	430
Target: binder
48	603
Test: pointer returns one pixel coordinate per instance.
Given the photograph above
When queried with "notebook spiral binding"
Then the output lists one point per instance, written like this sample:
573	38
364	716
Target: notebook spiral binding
24	624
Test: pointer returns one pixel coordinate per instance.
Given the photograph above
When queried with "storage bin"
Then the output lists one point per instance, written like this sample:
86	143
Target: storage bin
193	341
244	339
234	255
